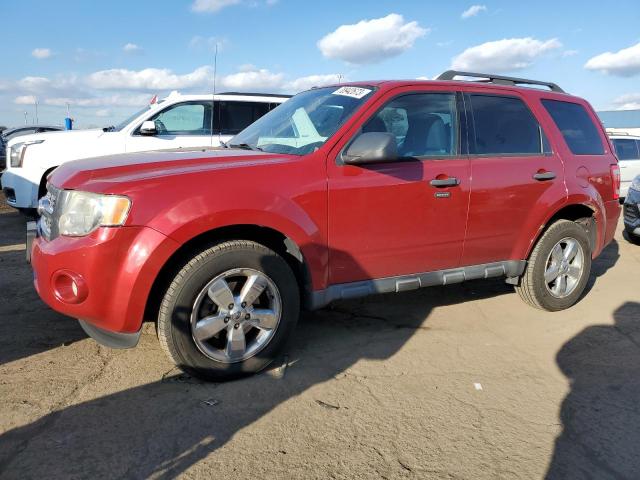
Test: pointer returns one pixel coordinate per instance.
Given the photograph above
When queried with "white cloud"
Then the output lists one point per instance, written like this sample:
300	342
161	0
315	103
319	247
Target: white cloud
629	101
472	11
34	84
25	100
212	6
310	81
370	41
132	48
104	112
41	53
151	79
117	100
624	63
252	79
208	43
503	55
570	53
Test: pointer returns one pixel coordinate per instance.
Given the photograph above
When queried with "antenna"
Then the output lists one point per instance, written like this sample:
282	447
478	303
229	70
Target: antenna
213	96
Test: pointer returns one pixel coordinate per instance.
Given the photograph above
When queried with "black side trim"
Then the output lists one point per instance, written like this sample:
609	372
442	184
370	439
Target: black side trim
111	339
321	298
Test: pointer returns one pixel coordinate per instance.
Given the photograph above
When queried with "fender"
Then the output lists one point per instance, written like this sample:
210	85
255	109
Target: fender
536	226
189	219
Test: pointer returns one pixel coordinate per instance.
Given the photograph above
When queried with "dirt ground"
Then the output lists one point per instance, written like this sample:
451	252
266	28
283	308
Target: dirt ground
457	382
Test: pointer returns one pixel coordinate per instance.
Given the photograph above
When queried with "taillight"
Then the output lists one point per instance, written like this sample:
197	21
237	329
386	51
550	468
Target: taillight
615	177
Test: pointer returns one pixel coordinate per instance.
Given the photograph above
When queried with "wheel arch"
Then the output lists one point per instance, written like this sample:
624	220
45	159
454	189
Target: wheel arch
42	188
582	213
267	236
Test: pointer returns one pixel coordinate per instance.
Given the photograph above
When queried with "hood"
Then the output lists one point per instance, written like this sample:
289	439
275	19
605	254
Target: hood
61	135
108	174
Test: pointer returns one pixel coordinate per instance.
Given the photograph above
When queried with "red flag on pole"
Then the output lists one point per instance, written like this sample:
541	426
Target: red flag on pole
153	100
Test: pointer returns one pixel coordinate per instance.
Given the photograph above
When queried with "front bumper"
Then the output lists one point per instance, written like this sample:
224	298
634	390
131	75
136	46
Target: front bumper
19	192
631	213
104	279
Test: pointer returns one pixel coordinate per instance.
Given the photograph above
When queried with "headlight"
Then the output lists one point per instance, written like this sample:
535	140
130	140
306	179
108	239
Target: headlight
80	213
16	152
635	185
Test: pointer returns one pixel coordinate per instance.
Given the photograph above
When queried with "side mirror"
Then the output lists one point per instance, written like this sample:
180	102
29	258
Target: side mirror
371	147
148	128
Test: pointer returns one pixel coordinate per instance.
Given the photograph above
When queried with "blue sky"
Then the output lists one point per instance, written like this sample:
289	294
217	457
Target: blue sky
108	58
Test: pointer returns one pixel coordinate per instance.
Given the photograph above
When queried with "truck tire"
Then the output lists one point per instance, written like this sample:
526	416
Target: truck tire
558	268
229	311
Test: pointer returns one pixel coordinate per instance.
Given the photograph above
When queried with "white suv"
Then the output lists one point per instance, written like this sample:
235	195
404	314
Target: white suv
628	153
178	121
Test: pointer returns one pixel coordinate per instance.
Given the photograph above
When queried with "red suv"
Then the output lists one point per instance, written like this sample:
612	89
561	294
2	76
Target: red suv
340	192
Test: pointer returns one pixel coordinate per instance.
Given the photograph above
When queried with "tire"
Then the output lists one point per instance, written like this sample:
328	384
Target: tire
190	299
534	288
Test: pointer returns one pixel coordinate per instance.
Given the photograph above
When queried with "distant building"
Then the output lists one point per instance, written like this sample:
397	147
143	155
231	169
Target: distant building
621	121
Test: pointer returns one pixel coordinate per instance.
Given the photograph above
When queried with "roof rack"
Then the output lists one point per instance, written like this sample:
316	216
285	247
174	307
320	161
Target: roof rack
498	79
252	94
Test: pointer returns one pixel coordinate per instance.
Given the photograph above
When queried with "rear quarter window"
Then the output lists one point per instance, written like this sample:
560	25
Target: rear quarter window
577	127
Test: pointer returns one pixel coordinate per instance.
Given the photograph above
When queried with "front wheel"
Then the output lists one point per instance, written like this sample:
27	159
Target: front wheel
229	311
558	269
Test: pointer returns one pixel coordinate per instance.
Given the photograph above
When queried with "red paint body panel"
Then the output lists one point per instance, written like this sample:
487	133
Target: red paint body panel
351	223
118	265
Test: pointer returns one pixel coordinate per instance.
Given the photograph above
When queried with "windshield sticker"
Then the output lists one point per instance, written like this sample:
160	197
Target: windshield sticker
354	92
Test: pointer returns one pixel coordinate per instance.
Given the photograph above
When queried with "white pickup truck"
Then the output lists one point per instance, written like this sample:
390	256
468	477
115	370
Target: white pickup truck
178	121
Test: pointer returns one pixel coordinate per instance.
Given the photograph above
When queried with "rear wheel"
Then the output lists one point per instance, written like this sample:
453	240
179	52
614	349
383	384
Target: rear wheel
558	269
229	311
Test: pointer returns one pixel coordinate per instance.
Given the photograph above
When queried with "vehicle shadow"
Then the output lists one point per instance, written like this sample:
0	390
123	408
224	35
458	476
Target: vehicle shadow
601	265
601	413
27	325
631	238
161	429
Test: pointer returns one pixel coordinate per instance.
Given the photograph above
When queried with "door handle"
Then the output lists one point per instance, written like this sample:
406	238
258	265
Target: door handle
542	176
445	182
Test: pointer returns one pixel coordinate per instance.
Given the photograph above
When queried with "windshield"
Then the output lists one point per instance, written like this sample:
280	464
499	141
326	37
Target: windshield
129	119
304	123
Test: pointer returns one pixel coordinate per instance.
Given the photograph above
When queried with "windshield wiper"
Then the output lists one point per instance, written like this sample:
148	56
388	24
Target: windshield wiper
245	146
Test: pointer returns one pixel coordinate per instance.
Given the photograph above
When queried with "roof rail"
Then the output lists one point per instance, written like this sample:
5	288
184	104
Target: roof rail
498	79
253	94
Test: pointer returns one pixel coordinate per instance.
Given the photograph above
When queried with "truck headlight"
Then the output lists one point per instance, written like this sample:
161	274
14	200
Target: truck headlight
16	152
635	185
80	213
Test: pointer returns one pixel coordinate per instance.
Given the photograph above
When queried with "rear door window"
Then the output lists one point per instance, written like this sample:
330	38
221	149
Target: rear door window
626	149
576	126
504	126
236	116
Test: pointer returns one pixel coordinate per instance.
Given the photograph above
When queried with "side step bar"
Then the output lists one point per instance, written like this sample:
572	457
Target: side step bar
321	298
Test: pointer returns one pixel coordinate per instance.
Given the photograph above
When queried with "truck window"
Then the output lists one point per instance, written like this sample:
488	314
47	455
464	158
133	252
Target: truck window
576	126
191	118
504	126
236	116
626	149
425	125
